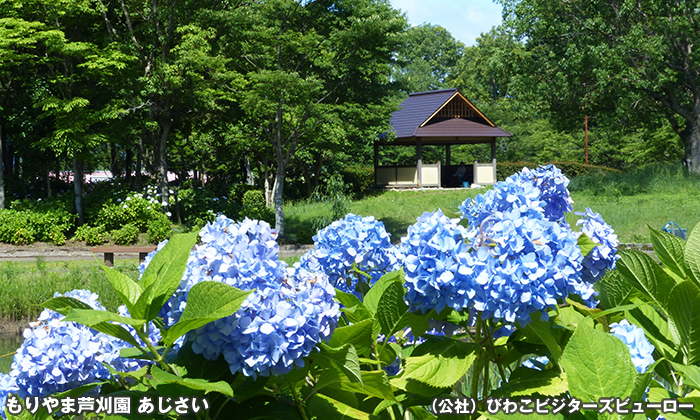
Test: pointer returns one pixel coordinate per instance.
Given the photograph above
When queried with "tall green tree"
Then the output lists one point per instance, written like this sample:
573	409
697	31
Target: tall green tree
428	56
309	64
614	60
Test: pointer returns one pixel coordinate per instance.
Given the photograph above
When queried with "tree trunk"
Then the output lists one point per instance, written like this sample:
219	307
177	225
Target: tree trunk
278	190
48	179
113	166
692	142
127	166
139	162
78	188
162	155
249	177
2	175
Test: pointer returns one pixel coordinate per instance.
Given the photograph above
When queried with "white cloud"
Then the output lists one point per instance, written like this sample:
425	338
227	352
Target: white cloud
465	19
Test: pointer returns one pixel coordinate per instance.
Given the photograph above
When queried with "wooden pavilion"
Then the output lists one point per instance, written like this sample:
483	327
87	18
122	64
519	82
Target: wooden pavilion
439	117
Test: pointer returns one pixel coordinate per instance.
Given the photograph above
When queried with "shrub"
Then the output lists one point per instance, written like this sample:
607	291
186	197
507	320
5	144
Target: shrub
127	235
91	235
254	207
27	222
570	169
200	206
359	178
159	229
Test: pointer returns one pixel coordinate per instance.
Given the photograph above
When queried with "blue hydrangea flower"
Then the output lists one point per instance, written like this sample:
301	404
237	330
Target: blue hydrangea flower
289	312
525	263
353	239
436	264
543	190
640	348
8	386
57	356
602	258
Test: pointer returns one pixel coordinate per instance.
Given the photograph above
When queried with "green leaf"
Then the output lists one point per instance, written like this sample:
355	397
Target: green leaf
127	289
519	416
586	244
345	358
543	330
420	322
670	249
524	381
684	310
325	407
206	302
656	329
198	384
374	295
354	310
63	305
692	254
641	384
691	374
614	289
163	275
597	365
440	363
645	275
392	312
92	317
359	335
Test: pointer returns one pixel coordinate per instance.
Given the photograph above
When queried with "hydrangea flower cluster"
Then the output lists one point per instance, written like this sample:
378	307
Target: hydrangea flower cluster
57	356
543	189
516	257
289	312
8	386
436	263
602	258
353	239
640	348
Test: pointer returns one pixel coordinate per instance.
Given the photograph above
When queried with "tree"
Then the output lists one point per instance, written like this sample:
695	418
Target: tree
428	56
615	60
309	64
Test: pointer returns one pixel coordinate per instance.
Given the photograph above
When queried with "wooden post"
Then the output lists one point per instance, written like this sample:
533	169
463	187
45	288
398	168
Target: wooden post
448	162
493	159
419	165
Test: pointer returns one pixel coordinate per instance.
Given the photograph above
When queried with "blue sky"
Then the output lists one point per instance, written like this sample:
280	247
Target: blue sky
465	19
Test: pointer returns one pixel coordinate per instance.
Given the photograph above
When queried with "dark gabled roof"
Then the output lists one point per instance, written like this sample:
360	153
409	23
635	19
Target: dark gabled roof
458	127
416	109
422	115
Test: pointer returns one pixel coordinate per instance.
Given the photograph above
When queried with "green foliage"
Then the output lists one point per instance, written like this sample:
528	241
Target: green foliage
254	207
201	205
158	230
126	235
570	169
21	225
360	179
91	235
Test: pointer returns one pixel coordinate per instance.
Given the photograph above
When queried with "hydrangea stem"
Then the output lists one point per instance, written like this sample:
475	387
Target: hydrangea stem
299	403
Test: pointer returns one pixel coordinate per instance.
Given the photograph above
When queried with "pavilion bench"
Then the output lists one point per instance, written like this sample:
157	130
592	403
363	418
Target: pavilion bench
109	252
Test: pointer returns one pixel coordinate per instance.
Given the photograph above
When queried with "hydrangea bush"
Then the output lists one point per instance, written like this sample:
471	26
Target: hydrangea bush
502	300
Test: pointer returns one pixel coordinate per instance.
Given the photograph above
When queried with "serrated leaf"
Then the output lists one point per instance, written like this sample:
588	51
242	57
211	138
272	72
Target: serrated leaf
127	289
691	374
92	317
419	322
692	254
324	407
524	381
645	275
614	289
345	358
543	330
684	310
656	329
641	384
597	365
359	335
518	416
586	244
440	363
671	251
206	302
392	312
163	274
371	300
63	305
162	377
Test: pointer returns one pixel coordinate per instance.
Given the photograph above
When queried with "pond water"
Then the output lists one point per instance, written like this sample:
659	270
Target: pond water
9	343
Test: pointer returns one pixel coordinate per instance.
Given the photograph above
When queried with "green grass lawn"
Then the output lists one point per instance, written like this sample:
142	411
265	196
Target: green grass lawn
628	202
